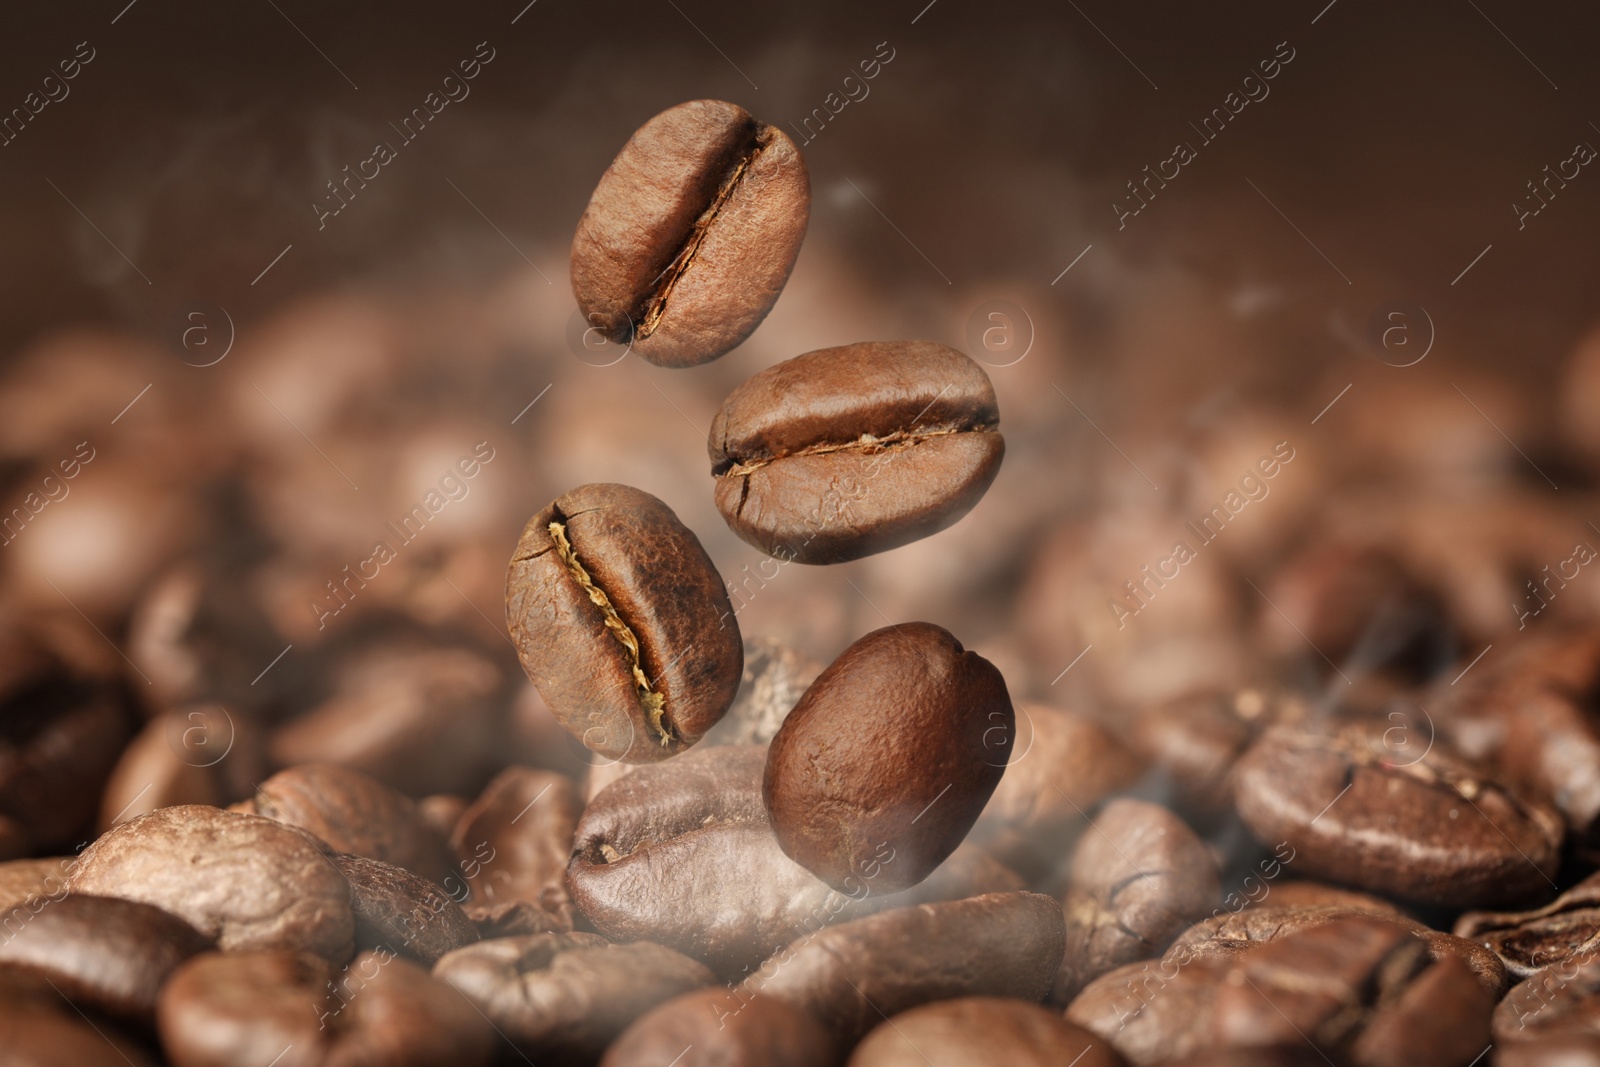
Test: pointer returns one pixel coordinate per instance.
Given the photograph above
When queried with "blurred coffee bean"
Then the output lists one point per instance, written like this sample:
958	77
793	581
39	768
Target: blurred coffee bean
845	452
1359	606
1138	878
401	912
536	737
1228	934
1362	987
60	737
851	976
713	1027
1150	1015
1396	813
101	953
1097	584
198	640
38	1029
1197	738
1566	928
513	844
351	812
14	839
1530	713
691	233
682	853
1551	1017
294	1010
196	754
852	791
1062	765
440	812
21	881
419	721
1302	1054
1302	894
774	679
981	1030
249	882
562	998
621	620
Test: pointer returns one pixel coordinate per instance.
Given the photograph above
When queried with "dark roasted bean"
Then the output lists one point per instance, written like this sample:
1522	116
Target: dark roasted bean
691	233
622	622
844	452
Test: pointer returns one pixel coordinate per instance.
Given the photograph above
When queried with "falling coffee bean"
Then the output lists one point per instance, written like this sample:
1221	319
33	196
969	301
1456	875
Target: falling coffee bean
882	768
844	452
691	233
622	623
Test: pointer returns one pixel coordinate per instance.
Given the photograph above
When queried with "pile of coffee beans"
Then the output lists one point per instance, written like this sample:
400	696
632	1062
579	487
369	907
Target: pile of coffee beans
1295	789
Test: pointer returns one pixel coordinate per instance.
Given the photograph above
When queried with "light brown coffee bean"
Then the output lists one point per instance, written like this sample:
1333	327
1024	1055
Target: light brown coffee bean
351	812
855	790
101	953
1138	878
402	912
850	976
291	1009
843	452
691	233
621	620
954	1033
249	882
562	998
514	843
713	1027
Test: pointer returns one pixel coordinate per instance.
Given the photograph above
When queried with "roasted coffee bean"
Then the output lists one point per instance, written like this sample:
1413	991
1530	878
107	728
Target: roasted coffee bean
1150	1015
713	1027
1528	941
1362	987
100	953
1359	605
562	998
176	759
39	1029
1531	715
402	912
514	842
1062	765
351	812
885	763
59	740
1551	1017
775	678
248	882
1300	1055
622	622
420	720
681	853
1397	814
954	1033
691	233
1316	895
1137	880
22	881
844	452
1198	737
850	976
291	1009
1230	933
